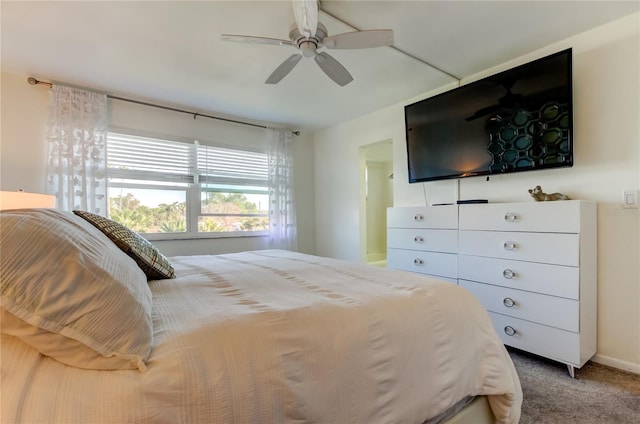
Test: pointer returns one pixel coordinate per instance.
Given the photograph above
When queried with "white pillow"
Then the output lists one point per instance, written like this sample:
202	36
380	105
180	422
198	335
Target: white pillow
71	293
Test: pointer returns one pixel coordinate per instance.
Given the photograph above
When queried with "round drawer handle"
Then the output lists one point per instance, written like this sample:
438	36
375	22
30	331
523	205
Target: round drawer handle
508	274
418	217
510	331
418	239
510	217
510	245
418	262
508	302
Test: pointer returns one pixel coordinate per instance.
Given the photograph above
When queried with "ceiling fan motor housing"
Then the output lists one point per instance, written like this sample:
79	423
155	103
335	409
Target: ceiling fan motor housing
309	45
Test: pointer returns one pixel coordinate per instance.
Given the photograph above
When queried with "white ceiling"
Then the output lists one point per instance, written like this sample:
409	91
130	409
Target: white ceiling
171	53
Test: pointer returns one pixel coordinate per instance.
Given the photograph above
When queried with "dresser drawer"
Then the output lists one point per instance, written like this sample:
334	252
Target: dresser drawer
432	263
559	216
548	310
545	341
555	280
423	217
560	249
423	239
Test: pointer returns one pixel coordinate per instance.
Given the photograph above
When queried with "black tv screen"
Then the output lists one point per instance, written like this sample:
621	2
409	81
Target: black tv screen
517	120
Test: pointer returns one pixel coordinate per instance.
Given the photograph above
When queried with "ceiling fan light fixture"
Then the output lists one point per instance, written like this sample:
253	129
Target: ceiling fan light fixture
308	48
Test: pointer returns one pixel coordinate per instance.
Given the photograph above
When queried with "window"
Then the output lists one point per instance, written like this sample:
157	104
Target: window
185	189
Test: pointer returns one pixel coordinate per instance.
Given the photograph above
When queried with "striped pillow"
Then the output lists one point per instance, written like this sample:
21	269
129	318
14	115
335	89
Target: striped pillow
153	263
70	293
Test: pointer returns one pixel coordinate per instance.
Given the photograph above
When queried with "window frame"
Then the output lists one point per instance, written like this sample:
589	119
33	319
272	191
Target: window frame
193	189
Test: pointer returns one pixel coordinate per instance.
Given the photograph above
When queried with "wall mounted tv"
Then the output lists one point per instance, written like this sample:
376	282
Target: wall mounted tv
517	120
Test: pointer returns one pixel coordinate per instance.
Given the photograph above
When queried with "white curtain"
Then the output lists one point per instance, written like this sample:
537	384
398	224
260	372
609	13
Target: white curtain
282	211
76	135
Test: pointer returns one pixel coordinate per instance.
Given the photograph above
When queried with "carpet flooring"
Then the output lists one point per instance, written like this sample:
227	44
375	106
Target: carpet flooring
598	395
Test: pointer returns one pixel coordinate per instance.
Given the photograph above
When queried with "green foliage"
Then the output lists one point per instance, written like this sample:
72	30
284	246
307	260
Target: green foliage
228	203
172	218
210	225
255	223
127	211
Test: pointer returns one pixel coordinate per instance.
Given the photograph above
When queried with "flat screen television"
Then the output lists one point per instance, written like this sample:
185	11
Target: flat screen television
517	120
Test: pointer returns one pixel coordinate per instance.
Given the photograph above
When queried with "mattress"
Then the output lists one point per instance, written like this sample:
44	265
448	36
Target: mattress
275	336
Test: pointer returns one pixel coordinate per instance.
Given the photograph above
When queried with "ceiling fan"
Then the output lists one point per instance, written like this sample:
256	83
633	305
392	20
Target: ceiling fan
508	100
308	36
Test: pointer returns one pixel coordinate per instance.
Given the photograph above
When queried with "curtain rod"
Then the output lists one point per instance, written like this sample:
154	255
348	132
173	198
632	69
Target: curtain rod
34	81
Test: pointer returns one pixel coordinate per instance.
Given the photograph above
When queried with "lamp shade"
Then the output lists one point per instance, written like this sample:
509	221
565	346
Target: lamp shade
20	200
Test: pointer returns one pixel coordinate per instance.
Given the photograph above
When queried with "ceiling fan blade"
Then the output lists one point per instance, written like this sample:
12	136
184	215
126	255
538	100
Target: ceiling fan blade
333	69
255	40
305	13
284	69
360	39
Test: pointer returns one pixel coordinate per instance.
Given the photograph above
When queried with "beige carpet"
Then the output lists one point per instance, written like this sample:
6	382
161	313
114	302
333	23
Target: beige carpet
598	395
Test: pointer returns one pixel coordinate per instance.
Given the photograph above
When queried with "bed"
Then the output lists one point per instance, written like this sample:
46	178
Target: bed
100	330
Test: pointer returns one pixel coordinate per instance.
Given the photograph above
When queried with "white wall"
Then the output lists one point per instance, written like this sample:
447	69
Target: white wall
24	112
607	161
23	118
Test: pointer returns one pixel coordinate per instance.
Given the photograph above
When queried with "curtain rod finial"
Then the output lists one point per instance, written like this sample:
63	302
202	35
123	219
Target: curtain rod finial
34	81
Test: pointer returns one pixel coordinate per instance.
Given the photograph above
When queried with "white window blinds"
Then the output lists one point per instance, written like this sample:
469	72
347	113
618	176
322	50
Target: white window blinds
133	157
228	166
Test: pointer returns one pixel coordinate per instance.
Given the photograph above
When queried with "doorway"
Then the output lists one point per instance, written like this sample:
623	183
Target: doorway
376	195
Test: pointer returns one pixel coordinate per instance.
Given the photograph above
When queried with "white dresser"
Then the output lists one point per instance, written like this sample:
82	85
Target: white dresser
533	266
424	240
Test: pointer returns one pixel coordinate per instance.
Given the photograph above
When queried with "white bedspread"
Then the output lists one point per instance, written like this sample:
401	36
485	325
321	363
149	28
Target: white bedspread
275	337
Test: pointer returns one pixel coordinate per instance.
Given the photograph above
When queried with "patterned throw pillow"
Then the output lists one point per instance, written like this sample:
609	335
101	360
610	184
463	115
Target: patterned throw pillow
153	263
